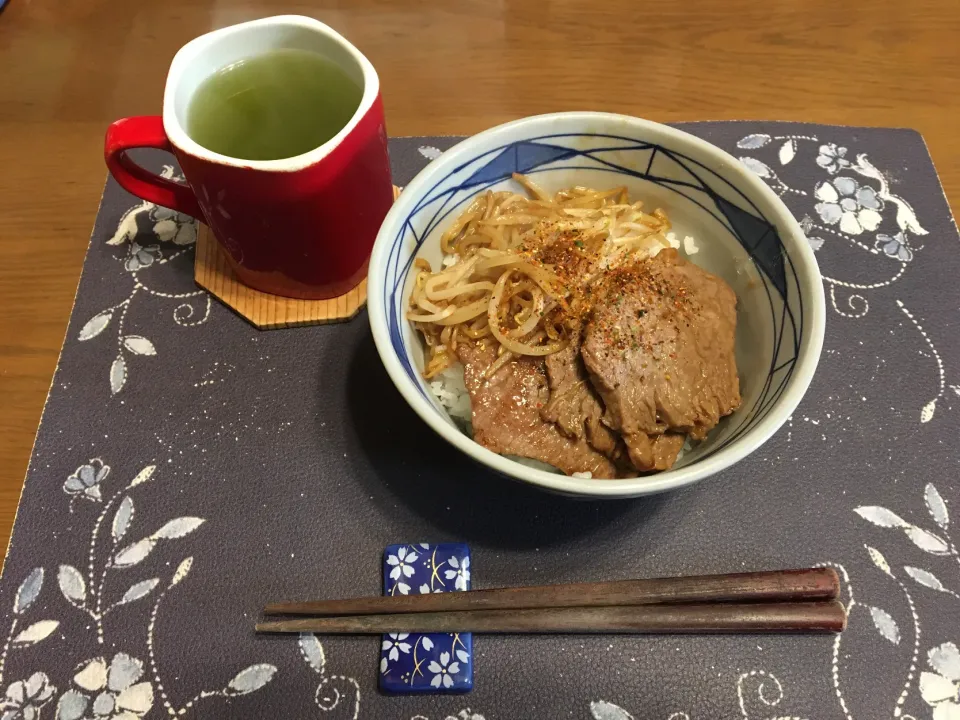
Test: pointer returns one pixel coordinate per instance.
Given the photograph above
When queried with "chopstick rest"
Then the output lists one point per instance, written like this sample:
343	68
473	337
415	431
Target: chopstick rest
426	662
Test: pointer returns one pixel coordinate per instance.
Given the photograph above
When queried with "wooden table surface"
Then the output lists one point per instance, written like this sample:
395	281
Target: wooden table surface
69	67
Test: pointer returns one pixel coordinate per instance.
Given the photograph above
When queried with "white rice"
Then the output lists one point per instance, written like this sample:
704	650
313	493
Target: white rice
688	246
451	391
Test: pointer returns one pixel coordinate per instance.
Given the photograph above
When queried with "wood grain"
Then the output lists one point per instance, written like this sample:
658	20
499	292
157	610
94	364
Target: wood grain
770	586
69	67
807	617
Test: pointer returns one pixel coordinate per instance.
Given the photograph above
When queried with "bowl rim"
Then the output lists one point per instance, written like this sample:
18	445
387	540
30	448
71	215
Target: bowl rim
808	277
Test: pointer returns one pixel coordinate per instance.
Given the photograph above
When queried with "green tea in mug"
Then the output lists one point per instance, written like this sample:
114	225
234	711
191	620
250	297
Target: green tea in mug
271	106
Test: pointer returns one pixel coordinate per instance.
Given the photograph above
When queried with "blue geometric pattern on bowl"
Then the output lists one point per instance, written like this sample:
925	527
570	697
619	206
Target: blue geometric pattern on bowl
426	662
733	212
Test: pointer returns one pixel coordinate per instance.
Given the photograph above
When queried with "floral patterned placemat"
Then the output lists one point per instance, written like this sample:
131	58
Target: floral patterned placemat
190	468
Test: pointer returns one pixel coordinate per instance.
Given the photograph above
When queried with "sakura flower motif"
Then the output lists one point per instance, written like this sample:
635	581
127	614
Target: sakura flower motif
402	563
443	671
396	644
460	571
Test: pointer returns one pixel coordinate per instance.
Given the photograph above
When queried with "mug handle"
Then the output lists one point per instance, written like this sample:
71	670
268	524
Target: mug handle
146	131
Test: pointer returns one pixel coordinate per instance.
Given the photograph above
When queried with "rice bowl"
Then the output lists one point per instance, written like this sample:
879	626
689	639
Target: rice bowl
780	315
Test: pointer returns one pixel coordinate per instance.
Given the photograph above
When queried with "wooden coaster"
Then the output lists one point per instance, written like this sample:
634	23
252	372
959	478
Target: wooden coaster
213	273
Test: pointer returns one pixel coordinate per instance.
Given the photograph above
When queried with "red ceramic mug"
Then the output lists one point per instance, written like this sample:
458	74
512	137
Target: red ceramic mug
300	227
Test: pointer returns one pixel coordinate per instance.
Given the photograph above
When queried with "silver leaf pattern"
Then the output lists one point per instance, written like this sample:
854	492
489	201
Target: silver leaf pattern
183	569
927	541
925	578
885	625
28	590
122	518
139	345
936	506
757	167
312	651
250	680
787	151
430	152
35	633
71	584
118	374
143	476
752	142
880	516
926	414
177	528
95	325
139	590
879	560
603	710
134	554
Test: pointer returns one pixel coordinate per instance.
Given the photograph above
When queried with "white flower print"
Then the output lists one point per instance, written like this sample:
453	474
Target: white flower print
402	563
141	256
941	689
24	698
430	152
425	590
896	246
396	645
86	480
443	671
168	226
461	572
114	688
833	159
171	226
844	201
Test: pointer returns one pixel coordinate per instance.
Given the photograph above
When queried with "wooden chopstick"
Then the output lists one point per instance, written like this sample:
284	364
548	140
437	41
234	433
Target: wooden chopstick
808	617
773	586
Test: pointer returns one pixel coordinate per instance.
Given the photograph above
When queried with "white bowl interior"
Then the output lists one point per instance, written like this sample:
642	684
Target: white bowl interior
741	230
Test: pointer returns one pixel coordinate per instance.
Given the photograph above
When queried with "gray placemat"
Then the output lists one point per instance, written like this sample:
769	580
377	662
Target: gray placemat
189	468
